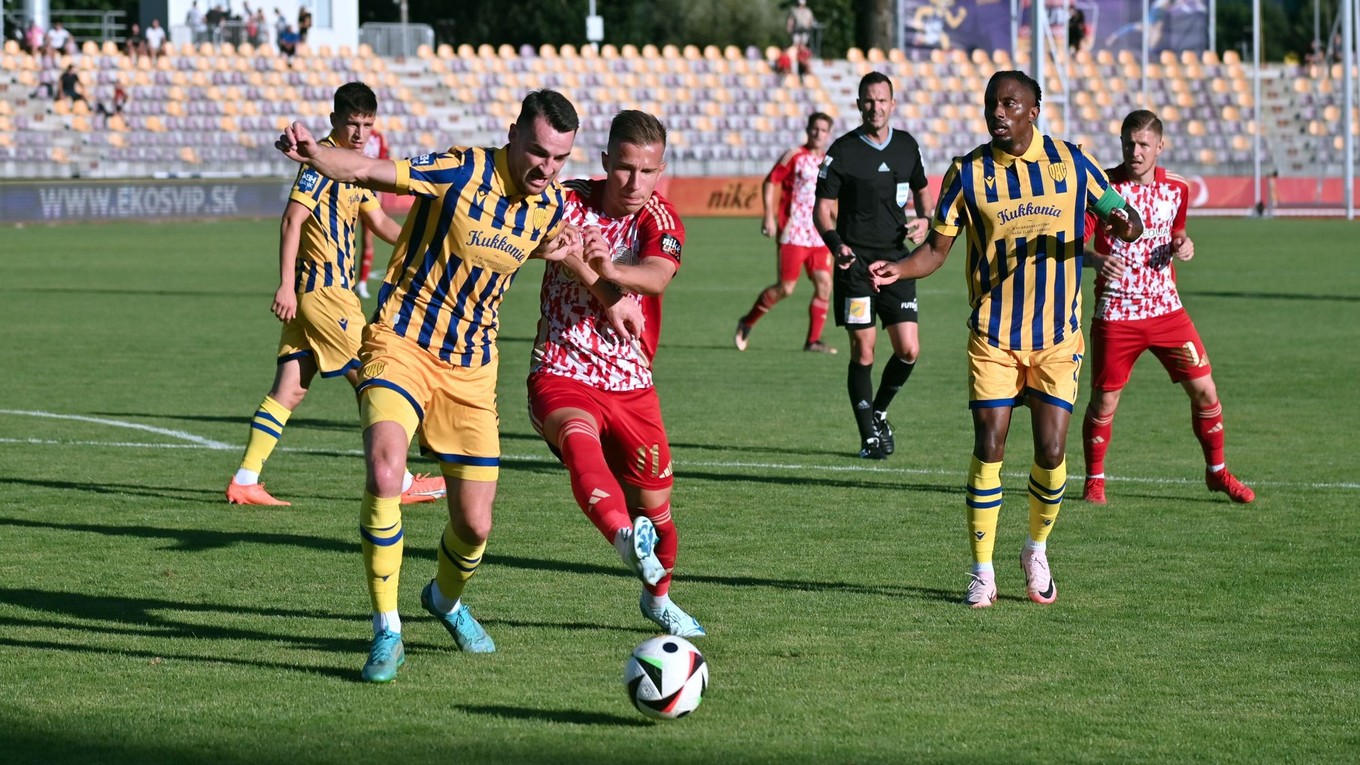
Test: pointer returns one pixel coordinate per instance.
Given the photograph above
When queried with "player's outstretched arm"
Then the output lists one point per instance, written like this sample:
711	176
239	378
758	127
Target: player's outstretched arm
336	163
923	261
567	241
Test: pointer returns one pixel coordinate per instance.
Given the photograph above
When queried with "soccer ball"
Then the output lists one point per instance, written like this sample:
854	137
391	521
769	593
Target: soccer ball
666	677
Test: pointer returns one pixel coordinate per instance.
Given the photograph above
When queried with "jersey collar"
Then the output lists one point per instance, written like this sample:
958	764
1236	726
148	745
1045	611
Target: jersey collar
507	183
864	136
1034	153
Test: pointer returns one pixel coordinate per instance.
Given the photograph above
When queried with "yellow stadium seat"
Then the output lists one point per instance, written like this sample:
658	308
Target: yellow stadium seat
507	52
1231	57
854	55
608	51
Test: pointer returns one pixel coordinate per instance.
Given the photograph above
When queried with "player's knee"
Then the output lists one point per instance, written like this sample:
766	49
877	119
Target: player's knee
784	289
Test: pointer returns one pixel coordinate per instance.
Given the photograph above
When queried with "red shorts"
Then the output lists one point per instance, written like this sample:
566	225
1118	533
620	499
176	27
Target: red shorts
1116	345
631	430
794	258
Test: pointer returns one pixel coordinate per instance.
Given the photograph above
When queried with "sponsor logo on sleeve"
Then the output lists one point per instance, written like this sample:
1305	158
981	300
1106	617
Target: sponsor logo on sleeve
423	160
308	180
821	173
670	245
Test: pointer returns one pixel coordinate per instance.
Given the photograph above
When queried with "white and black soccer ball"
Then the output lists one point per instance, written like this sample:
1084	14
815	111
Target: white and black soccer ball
666	677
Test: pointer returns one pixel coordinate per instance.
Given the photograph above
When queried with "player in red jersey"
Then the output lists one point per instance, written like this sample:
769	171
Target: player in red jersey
1138	309
800	244
590	386
374	148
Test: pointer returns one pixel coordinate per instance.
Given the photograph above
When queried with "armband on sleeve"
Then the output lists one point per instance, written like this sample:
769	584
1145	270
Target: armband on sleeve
1108	203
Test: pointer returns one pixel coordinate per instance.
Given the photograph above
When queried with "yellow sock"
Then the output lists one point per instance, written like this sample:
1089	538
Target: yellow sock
265	430
1045	499
984	505
380	530
458	561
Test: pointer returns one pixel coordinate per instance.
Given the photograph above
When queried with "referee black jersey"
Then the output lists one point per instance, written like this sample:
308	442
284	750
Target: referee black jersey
872	183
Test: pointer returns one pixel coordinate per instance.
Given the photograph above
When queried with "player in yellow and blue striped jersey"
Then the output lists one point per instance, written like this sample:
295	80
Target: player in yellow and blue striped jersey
1022	200
322	318
429	357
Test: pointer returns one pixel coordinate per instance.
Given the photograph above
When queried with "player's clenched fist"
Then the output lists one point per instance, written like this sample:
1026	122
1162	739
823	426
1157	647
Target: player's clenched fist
296	143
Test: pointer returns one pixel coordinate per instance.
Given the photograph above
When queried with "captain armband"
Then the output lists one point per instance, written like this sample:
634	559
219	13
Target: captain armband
1108	203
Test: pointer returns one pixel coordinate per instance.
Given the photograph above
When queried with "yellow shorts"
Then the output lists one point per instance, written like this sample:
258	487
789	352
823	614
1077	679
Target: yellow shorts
998	377
456	405
328	326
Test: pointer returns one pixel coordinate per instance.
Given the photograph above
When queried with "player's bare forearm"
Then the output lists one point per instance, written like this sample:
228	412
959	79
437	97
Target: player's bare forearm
383	226
923	261
767	200
650	277
824	214
290	238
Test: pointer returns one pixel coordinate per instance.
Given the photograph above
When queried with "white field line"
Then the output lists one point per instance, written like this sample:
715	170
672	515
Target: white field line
198	442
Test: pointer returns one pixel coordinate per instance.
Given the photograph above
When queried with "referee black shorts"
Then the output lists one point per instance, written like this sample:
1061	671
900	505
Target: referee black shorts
856	302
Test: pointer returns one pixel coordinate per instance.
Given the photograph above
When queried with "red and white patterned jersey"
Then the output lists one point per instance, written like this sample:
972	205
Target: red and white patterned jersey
1148	287
376	146
796	175
574	337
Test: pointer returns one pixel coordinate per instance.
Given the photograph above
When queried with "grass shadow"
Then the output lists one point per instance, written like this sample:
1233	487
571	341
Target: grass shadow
568	716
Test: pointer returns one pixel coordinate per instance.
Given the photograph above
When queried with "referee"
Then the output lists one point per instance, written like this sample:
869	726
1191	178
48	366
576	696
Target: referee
868	177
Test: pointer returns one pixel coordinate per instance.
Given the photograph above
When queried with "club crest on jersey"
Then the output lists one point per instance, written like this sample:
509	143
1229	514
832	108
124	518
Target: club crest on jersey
423	160
373	371
670	245
1058	171
541	215
308	180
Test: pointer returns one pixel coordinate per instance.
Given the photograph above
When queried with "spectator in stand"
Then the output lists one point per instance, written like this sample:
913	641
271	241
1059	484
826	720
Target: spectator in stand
304	23
136	42
800	24
33	38
114	107
1076	28
217	19
262	24
155	39
71	86
59	41
280	25
198	25
288	41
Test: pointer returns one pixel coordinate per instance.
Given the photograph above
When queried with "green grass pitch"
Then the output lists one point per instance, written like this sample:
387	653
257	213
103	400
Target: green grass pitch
143	620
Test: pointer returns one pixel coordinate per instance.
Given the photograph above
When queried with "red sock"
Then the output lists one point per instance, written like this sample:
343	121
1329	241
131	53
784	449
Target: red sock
592	483
763	304
1208	425
816	319
1095	440
366	265
667	545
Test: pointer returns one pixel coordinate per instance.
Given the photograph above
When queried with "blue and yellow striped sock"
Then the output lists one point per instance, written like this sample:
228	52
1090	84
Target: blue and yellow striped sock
1046	489
381	534
984	506
266	428
458	561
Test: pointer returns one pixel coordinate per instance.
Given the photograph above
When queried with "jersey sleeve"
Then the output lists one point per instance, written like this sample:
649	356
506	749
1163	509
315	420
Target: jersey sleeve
781	169
1097	182
660	232
308	186
369	201
950	212
1183	206
429	175
918	179
829	176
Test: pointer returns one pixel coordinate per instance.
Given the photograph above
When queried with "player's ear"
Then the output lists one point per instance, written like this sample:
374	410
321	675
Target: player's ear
514	131
604	161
